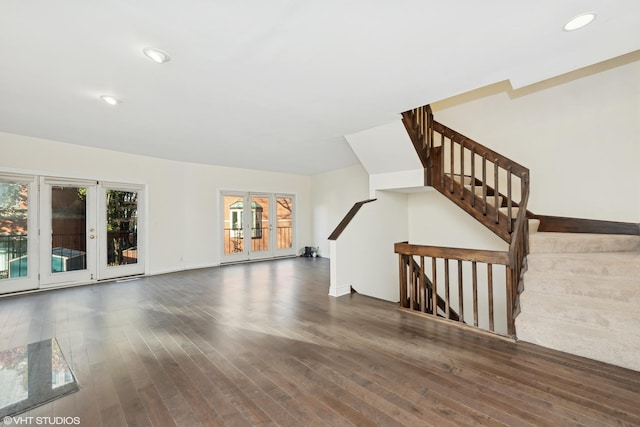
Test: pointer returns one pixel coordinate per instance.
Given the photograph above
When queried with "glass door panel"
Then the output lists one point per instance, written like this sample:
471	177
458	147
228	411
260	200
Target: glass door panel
68	232
18	254
120	243
122	227
233	214
260	226
284	224
68	229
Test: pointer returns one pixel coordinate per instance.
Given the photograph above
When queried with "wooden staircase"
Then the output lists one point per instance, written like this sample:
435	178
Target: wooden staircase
495	190
491	188
469	174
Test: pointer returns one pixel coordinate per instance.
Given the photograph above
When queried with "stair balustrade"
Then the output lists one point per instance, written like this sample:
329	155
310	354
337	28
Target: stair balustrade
419	293
465	285
488	186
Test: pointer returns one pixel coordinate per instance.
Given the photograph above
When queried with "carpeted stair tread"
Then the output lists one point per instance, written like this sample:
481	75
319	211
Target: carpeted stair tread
604	344
543	242
533	223
560	284
514	211
466	179
618	264
605	314
491	200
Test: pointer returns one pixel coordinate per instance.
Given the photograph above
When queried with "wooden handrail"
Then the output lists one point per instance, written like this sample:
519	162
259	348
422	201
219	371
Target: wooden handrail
347	219
560	224
463	254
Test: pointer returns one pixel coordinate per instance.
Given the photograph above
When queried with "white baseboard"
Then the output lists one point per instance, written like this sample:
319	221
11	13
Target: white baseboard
339	291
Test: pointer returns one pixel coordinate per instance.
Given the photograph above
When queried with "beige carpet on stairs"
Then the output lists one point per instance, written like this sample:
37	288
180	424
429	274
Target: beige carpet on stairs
582	296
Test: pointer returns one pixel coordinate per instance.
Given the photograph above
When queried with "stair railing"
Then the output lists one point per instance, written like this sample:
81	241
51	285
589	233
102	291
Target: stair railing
347	219
454	276
487	185
418	294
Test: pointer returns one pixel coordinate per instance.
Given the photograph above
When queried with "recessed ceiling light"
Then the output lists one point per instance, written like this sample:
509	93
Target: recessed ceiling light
156	55
579	21
110	100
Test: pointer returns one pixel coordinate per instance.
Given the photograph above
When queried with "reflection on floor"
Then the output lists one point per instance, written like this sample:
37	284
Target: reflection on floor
32	375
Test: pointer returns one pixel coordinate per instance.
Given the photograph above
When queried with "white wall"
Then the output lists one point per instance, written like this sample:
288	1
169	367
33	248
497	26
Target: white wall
333	194
183	213
364	256
435	220
579	135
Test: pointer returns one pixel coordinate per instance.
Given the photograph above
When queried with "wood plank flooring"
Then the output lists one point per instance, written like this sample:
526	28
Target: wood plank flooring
263	344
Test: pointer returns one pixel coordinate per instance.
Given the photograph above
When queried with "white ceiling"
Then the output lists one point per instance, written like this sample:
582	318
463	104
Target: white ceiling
274	85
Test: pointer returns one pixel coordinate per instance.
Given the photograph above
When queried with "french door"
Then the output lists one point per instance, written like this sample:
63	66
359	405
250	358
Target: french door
58	232
121	218
68	231
18	233
257	226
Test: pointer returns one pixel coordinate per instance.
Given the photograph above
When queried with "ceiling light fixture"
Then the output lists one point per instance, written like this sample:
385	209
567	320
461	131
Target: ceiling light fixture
156	55
110	100
579	21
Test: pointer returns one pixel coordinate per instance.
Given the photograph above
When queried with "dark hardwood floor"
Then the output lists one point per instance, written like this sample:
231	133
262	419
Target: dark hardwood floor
263	344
